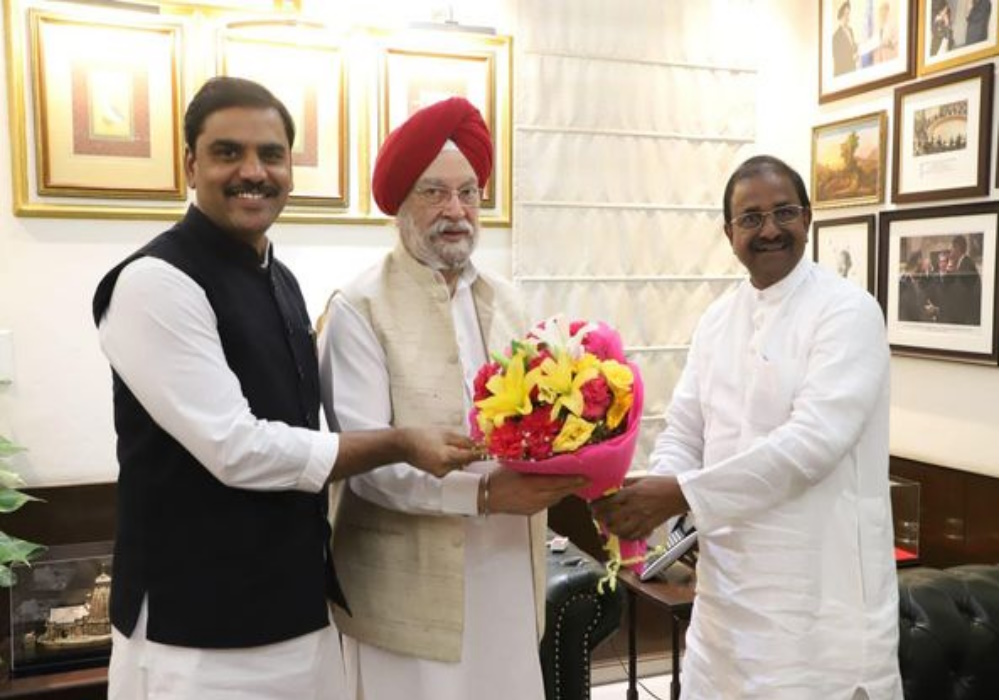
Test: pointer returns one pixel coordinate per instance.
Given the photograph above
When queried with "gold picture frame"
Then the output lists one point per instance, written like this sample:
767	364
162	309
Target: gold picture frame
436	65
106	127
951	34
307	70
849	161
863	45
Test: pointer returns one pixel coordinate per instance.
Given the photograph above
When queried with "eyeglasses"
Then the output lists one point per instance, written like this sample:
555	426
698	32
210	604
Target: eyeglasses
754	220
435	196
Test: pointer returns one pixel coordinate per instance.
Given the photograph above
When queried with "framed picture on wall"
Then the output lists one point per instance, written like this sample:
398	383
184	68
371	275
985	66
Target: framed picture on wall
847	247
308	74
864	44
951	33
938	281
942	136
848	162
106	127
423	70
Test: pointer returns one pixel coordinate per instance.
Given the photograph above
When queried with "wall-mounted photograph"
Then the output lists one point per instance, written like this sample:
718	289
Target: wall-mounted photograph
307	72
106	127
864	44
942	137
848	162
951	33
847	246
415	72
938	281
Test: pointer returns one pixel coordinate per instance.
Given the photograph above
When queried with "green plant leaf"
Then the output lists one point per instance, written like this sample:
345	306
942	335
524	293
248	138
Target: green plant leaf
14	550
8	448
10	480
12	499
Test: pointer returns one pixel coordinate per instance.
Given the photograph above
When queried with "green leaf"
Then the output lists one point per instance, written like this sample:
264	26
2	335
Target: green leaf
7	577
12	499
10	480
15	550
8	448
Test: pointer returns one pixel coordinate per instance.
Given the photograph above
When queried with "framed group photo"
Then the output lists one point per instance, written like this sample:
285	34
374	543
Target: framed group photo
847	246
864	44
307	72
937	281
942	136
951	33
848	162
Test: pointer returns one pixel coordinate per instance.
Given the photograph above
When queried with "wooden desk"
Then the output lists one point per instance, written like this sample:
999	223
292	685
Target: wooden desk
674	591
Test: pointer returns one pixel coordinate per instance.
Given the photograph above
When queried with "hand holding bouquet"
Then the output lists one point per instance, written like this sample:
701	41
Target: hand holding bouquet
564	400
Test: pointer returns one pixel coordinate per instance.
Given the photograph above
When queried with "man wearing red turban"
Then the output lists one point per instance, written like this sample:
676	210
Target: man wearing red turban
445	577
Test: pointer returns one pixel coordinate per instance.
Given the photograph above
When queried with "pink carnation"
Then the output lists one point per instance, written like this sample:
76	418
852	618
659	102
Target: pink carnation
605	343
485	373
596	398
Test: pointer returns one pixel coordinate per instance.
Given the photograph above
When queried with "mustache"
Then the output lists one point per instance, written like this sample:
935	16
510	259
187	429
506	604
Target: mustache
758	244
439	227
251	188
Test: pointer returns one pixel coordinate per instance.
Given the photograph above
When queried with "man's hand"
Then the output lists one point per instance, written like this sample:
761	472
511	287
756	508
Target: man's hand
639	508
438	451
434	450
526	494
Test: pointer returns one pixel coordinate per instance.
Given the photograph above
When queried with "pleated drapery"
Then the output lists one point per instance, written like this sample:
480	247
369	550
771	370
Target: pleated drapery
628	118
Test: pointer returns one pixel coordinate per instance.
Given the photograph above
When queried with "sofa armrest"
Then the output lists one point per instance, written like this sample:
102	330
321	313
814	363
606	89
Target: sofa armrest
577	619
948	632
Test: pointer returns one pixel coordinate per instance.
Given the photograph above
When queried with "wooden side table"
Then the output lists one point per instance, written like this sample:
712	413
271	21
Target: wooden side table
673	590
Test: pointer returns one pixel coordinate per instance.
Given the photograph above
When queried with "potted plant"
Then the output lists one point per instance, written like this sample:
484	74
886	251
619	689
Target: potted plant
13	550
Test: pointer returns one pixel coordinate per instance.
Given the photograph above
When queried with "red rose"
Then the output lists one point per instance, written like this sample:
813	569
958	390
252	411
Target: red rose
596	398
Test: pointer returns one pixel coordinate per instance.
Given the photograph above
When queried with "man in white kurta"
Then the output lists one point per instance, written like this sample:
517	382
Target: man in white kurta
444	576
777	442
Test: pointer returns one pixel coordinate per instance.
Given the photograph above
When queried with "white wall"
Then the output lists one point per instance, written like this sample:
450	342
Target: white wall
59	403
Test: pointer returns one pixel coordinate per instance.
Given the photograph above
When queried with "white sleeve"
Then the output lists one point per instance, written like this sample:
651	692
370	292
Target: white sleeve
160	336
354	384
845	380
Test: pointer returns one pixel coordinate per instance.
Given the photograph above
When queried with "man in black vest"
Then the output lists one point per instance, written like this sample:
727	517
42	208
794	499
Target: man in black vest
222	574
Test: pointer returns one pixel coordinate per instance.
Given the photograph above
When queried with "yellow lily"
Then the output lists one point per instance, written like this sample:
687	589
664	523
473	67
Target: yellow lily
510	393
574	434
559	380
619	378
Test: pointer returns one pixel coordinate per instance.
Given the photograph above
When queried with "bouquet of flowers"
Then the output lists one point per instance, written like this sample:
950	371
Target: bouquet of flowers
564	400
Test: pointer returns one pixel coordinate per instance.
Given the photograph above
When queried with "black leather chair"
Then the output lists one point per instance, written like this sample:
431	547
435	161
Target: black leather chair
577	619
948	632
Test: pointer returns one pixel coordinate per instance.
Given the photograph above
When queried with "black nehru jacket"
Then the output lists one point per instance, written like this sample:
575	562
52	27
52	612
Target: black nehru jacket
222	566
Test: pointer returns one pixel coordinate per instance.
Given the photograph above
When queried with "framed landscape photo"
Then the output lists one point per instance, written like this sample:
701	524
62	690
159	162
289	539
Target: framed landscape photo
938	281
428	68
864	44
848	162
308	74
951	33
106	127
942	136
847	247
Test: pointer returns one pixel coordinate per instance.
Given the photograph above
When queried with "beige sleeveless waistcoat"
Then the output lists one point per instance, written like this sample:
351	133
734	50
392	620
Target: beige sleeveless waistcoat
404	575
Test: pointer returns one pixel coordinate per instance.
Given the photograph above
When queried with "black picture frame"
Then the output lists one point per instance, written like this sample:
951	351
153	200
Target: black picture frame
853	235
937	303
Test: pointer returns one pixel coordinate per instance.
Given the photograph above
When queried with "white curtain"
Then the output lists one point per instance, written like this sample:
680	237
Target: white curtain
628	118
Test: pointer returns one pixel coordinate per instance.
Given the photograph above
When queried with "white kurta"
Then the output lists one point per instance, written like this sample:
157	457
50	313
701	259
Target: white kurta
499	642
779	432
160	335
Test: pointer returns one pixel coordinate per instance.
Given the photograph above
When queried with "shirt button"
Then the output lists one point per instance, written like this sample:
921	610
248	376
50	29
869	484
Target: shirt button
453	359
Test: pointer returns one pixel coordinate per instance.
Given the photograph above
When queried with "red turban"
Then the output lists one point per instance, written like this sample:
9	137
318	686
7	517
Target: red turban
412	146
